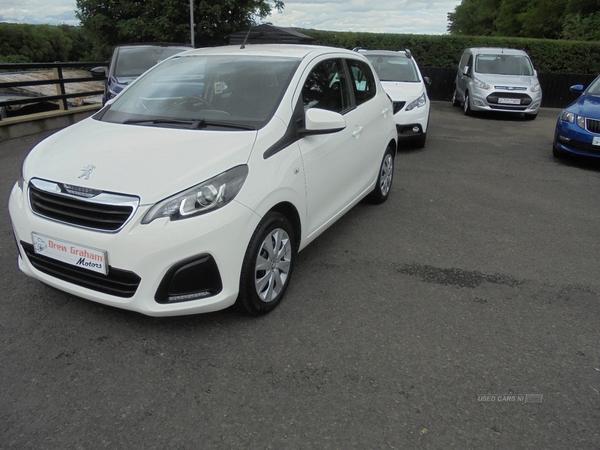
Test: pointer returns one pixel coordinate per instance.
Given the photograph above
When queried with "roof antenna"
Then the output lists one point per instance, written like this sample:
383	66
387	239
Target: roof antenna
243	46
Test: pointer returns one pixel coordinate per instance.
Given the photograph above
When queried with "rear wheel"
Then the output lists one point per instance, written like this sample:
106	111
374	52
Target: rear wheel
455	100
382	189
268	264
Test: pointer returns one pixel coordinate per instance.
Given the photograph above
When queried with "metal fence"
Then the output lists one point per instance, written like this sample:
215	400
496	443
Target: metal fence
58	79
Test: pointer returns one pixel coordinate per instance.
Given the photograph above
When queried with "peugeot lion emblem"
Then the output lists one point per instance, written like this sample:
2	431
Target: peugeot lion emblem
86	171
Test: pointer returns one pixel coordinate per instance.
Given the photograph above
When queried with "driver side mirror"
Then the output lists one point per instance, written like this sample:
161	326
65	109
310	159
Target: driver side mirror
578	88
322	121
98	73
466	71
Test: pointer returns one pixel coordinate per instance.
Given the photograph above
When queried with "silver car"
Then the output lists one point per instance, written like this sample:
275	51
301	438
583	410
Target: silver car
497	79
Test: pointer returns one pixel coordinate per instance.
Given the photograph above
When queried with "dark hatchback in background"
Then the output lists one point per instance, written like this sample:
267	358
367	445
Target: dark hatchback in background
578	126
130	61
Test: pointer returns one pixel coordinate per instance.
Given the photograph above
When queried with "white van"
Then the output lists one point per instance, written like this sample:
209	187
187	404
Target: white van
497	79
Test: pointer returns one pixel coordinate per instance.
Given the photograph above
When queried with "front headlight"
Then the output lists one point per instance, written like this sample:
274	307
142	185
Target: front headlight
581	121
481	84
202	198
567	116
536	88
417	103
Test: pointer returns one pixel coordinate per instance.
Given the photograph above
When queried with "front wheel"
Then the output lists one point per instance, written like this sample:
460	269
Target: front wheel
467	105
420	142
558	153
382	189
267	266
530	116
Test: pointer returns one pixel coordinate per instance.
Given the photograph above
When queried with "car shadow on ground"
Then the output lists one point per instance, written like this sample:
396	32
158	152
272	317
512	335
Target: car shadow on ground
580	162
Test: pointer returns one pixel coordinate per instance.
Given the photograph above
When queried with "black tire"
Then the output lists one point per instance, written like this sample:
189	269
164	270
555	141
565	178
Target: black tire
268	265
455	100
467	105
383	187
420	142
558	153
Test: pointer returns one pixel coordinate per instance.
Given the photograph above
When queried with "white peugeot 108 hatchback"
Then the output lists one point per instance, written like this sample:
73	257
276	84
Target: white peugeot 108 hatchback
194	188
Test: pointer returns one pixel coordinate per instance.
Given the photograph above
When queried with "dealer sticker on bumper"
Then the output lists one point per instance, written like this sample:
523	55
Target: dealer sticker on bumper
509	101
69	253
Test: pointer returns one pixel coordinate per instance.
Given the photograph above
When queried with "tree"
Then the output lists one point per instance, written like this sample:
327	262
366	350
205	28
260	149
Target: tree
473	17
112	22
549	19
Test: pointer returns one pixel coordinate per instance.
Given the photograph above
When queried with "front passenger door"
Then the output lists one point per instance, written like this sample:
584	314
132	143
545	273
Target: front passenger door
330	165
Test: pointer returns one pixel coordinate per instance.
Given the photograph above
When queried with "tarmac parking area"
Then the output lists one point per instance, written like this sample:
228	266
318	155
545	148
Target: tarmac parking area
462	313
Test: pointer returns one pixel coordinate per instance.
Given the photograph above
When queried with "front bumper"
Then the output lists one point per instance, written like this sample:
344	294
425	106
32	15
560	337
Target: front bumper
571	138
149	256
497	100
412	124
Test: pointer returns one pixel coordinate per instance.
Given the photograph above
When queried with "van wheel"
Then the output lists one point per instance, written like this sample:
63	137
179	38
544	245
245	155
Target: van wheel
455	101
467	105
268	264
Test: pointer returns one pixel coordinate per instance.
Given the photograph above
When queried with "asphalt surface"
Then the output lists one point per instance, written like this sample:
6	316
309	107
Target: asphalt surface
463	313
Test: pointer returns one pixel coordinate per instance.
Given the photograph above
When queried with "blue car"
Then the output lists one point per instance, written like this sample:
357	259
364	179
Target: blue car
578	127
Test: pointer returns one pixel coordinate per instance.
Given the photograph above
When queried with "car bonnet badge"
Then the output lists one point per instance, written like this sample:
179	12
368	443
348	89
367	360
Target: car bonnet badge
86	171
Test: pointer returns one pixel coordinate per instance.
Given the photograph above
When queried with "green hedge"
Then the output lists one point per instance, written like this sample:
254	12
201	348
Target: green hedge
444	51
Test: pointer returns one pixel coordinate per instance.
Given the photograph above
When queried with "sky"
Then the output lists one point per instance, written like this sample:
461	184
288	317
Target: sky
376	16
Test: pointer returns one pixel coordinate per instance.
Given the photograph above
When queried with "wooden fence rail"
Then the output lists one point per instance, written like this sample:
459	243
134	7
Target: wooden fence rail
7	88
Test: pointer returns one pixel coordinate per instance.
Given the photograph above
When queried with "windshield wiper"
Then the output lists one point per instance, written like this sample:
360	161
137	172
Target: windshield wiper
192	123
189	123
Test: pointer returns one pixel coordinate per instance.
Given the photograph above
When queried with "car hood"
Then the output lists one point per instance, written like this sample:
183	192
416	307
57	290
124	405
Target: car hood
587	106
507	80
402	91
149	162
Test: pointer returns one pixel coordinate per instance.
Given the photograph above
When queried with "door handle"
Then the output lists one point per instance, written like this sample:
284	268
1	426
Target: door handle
356	133
385	111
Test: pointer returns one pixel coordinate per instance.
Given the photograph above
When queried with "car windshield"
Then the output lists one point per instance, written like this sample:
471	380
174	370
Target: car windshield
594	88
503	65
134	61
394	68
199	91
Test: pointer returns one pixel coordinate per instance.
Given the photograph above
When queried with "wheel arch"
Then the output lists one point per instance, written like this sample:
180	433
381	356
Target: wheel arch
291	213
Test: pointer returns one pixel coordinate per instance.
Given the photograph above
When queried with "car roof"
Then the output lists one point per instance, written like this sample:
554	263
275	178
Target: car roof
399	53
495	51
153	44
290	50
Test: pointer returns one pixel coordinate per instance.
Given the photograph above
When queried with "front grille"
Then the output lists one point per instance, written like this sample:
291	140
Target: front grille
118	282
102	211
592	125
